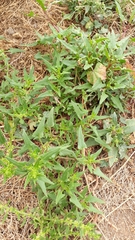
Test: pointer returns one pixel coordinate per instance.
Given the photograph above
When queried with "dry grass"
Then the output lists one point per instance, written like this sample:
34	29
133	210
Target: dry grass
118	220
20	29
13	193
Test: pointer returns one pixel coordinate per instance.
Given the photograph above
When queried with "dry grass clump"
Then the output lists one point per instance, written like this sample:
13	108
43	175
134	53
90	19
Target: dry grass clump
20	29
118	220
14	194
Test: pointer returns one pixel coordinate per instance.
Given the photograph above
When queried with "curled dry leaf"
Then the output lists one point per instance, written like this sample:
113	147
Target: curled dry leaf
99	72
130	67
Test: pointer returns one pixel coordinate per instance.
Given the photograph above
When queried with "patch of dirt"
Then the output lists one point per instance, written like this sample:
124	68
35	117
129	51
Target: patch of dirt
14	195
19	30
118	220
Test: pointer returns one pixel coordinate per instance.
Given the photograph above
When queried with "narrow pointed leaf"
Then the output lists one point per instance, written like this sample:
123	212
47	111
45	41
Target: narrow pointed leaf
119	10
117	103
75	201
94	199
39	132
50	120
45	179
94	210
2	138
81	143
112	154
99	173
42	185
103	97
130	126
59	196
41	3
80	112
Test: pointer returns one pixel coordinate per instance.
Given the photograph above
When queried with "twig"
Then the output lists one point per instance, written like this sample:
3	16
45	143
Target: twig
120	167
101	232
132	2
105	217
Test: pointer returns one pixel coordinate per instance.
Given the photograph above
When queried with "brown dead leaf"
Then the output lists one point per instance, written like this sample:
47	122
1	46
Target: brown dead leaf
131	68
99	72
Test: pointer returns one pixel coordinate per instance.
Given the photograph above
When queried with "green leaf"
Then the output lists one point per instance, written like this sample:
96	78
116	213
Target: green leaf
94	210
28	144
113	40
117	103
15	50
112	154
41	3
91	142
44	95
130	126
59	196
39	132
4	110
40	57
27	181
70	47
98	85
81	143
59	167
19	164
27	141
45	179
118	8
75	201
99	173
31	14
42	185
123	151
132	16
6	125
2	138
103	97
67	152
79	110
114	117
122	45
50	119
94	199
101	142
2	154
53	152
2	37
70	63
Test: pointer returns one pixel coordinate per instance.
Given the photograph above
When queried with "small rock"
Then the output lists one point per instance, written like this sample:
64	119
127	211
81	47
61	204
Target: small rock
10	31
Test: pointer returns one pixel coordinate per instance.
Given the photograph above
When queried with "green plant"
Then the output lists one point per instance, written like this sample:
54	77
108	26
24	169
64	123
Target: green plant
98	74
48	126
97	16
91	15
49	226
46	169
86	82
41	4
4	62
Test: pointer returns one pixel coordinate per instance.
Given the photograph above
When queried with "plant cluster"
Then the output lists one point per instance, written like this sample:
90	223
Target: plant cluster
97	16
